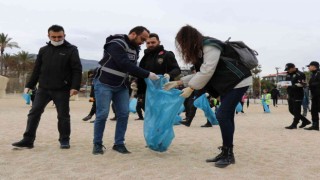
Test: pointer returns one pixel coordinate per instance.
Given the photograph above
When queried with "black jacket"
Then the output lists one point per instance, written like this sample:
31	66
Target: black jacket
57	68
314	83
275	93
295	92
158	61
120	58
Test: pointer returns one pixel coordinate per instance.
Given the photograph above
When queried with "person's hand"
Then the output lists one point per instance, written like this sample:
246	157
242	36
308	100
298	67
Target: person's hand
153	76
167	76
73	92
299	85
186	92
169	85
26	90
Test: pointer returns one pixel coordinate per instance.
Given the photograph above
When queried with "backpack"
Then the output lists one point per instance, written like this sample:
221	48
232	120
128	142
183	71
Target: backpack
236	50
240	51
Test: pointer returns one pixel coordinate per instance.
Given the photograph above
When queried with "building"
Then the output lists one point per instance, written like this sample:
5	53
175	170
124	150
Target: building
273	77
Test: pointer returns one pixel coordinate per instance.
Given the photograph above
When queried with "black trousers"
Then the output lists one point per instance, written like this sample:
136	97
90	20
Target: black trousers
93	109
43	97
315	109
295	110
275	101
140	106
190	108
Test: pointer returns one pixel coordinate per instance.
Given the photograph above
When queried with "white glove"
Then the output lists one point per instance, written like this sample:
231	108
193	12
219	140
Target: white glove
167	76
153	76
169	85
299	85
26	90
186	92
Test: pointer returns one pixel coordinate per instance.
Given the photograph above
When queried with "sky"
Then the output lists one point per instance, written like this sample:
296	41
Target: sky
281	31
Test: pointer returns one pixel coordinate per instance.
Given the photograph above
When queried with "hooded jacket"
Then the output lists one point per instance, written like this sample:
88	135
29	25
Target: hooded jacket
57	68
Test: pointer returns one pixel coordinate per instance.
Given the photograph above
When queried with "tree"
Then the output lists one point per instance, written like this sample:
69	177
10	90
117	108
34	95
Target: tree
5	43
25	64
256	80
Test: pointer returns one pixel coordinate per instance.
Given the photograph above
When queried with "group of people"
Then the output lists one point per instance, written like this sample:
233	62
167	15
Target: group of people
58	73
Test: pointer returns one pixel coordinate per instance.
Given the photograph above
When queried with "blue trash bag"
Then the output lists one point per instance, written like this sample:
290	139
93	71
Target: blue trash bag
132	105
265	107
203	104
239	107
161	109
27	98
178	117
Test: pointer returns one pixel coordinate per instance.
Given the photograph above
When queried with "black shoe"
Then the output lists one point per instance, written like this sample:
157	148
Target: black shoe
139	119
186	123
226	159
312	128
121	148
92	121
87	118
206	125
98	149
64	145
113	119
217	158
304	124
291	127
23	144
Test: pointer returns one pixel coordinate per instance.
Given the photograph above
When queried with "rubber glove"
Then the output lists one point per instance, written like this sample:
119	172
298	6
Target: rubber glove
153	76
169	85
26	90
167	76
186	92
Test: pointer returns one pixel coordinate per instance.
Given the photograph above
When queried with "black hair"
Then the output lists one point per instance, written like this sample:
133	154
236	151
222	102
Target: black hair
138	30
151	35
55	28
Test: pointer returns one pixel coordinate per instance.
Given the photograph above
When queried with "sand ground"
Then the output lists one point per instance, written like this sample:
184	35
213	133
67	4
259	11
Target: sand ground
263	148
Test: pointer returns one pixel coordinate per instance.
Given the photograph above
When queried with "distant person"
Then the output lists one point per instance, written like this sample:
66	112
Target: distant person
265	98
158	60
120	57
58	70
204	53
295	95
275	94
314	85
91	74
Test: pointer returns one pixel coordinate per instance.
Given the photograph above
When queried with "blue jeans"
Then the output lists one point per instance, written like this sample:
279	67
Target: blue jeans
225	114
103	96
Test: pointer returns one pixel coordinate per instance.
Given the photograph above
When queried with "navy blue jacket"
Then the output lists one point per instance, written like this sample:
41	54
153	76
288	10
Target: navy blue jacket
119	60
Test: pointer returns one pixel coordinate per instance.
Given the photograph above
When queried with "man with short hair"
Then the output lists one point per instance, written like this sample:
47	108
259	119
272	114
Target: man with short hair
159	61
295	95
314	86
120	57
58	71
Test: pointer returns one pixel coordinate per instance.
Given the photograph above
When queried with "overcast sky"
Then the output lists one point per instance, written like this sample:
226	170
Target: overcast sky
280	30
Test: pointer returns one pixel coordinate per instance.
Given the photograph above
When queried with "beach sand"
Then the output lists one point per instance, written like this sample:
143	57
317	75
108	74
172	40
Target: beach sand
263	148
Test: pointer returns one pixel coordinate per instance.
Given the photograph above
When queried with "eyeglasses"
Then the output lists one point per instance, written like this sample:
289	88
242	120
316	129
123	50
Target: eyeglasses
59	37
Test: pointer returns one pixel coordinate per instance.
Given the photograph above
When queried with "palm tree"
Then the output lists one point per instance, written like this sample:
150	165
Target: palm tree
24	59
5	43
6	61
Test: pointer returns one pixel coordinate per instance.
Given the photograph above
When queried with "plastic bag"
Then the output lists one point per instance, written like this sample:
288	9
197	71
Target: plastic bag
178	117
265	107
27	98
133	105
161	109
203	104
239	107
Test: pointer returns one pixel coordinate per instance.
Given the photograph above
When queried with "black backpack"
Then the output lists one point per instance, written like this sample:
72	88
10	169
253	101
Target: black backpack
236	50
240	51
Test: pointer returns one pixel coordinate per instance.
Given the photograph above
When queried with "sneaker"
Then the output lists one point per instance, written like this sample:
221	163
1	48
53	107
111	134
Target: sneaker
98	149
206	125
121	148
139	119
113	119
87	118
23	144
64	145
92	121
